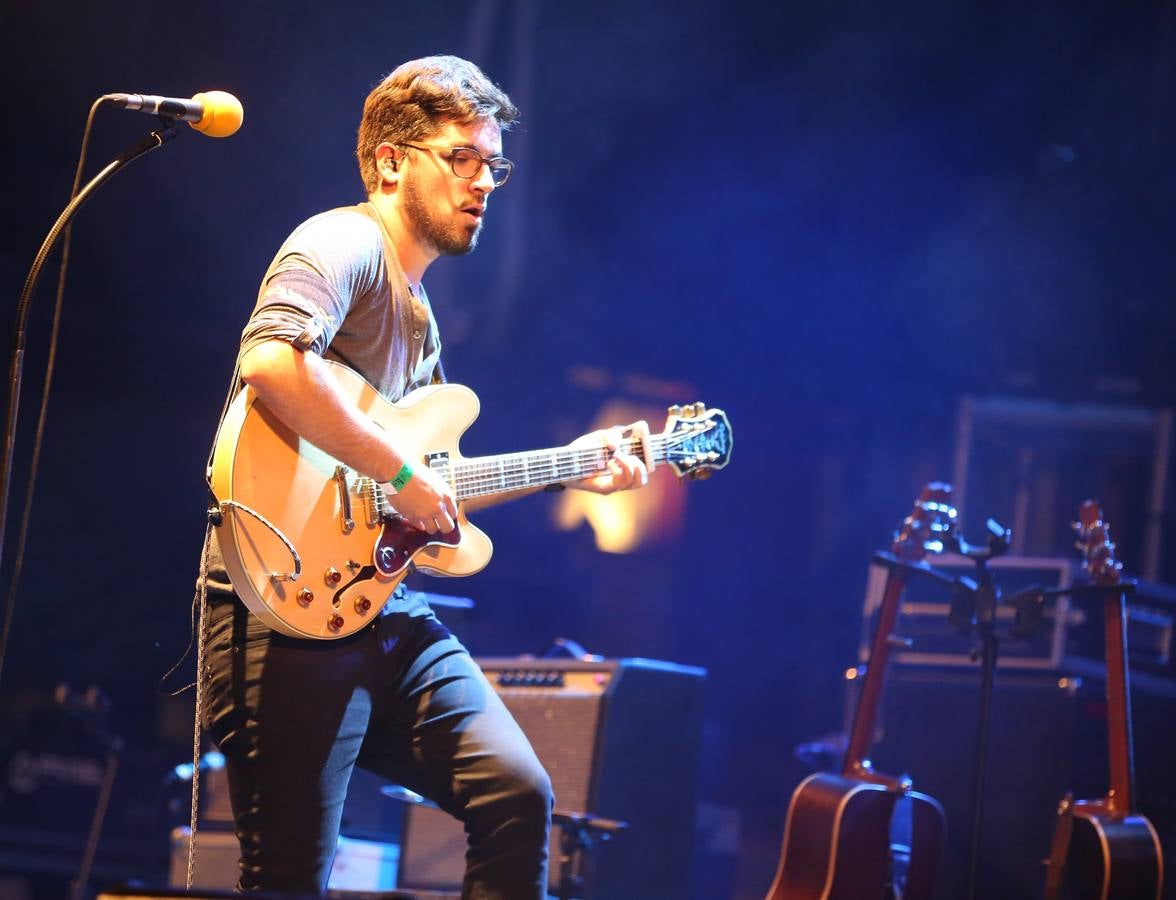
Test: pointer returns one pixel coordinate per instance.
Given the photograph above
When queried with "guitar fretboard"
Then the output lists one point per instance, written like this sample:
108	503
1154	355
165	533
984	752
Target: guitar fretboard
483	476
486	475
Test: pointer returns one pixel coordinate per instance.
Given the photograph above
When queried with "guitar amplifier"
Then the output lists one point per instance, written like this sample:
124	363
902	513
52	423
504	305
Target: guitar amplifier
620	739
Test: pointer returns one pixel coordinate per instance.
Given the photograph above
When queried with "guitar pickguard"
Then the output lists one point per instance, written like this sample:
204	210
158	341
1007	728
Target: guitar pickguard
399	542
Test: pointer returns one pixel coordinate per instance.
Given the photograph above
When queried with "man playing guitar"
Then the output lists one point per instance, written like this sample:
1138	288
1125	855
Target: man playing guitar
401	696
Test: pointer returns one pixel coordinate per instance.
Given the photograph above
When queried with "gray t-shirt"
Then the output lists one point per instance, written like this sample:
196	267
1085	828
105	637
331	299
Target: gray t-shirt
336	288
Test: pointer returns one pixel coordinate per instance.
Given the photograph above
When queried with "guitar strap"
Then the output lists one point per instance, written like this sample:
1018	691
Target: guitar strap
234	387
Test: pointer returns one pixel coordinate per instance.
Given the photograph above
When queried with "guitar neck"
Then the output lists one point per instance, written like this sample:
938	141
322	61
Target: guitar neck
490	476
1120	797
486	476
862	733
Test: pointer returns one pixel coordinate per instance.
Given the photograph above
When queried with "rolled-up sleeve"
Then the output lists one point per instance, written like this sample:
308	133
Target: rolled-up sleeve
309	287
294	306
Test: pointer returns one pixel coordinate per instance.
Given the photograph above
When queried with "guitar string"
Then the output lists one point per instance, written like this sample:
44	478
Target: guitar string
511	468
521	470
518	473
493	480
504	472
565	461
509	471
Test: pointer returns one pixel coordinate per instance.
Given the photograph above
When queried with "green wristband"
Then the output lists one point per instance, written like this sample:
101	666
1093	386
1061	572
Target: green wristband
403	477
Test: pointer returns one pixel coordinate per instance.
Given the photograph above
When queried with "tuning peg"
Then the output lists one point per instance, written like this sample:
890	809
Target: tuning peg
675	411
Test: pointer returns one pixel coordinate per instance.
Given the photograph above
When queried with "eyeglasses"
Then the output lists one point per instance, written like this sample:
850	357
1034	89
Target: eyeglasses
466	162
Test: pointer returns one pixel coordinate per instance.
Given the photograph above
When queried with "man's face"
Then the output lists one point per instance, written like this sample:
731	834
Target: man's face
442	211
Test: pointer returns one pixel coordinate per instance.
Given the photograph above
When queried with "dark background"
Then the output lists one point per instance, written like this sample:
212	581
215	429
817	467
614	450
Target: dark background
832	220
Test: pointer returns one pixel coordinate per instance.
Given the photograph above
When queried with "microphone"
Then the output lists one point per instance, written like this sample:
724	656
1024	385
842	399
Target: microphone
214	113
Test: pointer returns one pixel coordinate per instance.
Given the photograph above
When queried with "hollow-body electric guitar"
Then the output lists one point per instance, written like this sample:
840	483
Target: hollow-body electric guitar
314	549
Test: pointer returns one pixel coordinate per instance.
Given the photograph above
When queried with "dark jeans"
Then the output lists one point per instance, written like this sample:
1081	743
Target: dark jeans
402	698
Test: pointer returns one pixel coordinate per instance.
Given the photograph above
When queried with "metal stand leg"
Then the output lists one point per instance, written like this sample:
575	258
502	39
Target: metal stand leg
578	832
988	653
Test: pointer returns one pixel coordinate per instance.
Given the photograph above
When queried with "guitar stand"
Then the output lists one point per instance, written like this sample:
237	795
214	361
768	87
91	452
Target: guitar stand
578	832
974	606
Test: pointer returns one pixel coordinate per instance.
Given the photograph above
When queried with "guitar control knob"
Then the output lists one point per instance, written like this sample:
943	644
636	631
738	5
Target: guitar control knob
335	622
675	410
305	596
332	576
362	605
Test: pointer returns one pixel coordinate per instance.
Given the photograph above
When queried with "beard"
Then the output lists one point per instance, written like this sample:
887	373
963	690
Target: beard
447	238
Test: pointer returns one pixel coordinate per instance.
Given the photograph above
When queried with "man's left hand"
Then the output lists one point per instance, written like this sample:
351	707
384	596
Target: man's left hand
625	471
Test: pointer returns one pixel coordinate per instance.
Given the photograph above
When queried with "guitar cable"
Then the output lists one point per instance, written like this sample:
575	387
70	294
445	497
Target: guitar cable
198	635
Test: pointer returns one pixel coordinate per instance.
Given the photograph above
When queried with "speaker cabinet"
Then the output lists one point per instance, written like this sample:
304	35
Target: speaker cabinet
620	739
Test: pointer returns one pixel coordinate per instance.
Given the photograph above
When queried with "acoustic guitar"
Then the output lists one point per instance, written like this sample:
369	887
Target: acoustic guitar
315	550
837	836
1102	849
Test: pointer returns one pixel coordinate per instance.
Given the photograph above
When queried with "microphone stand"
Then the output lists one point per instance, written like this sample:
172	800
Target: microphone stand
156	139
974	605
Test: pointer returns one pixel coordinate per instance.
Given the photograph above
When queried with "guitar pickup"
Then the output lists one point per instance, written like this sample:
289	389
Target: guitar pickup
438	462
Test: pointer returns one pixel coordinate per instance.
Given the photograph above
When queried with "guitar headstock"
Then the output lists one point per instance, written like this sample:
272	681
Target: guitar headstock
698	440
1094	540
932	520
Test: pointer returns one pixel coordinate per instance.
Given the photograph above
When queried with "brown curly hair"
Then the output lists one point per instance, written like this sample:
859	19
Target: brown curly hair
418	97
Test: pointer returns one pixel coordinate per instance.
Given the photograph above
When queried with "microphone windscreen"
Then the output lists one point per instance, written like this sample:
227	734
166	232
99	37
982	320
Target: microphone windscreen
223	114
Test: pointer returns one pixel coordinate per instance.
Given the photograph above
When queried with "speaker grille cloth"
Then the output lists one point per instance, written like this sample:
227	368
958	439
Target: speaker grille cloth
561	724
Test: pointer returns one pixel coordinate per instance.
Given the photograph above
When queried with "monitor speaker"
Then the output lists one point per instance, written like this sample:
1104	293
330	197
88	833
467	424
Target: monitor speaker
621	740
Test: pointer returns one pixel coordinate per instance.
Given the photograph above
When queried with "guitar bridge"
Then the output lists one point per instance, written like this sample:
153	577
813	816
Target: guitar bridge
374	504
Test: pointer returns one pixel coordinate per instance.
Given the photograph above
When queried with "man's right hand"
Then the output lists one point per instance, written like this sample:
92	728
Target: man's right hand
426	502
